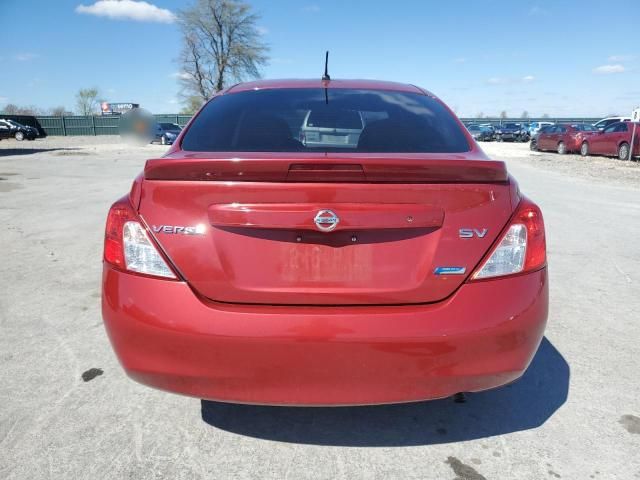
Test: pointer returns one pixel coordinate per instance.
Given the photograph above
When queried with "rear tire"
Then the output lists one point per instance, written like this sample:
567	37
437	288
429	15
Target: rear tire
562	148
19	136
584	149
623	151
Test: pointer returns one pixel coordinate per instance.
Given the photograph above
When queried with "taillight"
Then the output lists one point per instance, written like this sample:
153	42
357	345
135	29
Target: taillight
521	248
127	244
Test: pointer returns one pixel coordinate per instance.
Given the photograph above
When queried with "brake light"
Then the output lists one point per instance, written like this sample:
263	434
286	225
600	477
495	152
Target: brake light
127	244
521	248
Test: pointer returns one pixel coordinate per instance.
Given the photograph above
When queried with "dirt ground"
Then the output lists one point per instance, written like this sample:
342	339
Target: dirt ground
592	168
69	411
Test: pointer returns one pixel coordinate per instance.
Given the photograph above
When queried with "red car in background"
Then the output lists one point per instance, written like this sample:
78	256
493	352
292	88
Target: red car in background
564	138
245	266
614	140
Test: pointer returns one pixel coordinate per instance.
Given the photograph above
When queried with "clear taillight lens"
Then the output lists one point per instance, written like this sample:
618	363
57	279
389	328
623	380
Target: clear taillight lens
127	245
509	255
522	247
140	255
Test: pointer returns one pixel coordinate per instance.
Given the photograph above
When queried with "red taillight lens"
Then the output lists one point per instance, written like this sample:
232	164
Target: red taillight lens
520	248
120	213
530	215
128	246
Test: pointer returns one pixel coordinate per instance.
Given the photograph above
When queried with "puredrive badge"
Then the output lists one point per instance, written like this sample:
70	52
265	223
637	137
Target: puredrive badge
326	220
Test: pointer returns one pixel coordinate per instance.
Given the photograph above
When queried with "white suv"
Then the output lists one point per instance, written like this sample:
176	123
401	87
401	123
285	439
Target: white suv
605	122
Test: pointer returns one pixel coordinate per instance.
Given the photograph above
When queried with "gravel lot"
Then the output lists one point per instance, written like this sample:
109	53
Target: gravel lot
575	414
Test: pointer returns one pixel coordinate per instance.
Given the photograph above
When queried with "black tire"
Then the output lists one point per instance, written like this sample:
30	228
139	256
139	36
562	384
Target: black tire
584	149
19	136
623	151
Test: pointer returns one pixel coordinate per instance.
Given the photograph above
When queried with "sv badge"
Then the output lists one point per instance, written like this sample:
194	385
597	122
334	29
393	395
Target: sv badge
472	232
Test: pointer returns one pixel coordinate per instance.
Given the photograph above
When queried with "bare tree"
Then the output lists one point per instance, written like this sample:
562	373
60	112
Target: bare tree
220	44
503	114
524	114
13	109
10	109
59	111
191	104
87	101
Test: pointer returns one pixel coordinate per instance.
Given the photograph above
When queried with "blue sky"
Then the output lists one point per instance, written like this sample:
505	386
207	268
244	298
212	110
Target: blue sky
561	58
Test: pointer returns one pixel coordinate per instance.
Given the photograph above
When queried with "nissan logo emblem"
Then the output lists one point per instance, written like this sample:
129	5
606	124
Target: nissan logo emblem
326	220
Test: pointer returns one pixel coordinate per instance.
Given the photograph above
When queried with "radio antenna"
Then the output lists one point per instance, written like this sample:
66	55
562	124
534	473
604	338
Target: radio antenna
326	67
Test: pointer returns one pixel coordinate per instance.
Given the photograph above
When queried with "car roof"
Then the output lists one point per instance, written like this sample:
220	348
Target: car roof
318	83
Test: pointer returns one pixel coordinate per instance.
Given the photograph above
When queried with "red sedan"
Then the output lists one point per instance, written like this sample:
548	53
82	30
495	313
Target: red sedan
396	263
614	141
565	138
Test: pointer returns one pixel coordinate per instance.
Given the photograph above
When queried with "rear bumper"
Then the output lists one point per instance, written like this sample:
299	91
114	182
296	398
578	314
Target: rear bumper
482	337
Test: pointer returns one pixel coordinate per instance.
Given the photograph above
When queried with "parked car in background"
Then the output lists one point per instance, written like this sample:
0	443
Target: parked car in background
533	144
512	132
5	130
481	133
303	275
535	127
490	132
564	138
614	140
605	122
331	128
11	128
166	132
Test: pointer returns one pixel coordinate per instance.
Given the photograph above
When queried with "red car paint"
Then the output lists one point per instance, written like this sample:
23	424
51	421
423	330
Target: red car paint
265	308
571	136
608	141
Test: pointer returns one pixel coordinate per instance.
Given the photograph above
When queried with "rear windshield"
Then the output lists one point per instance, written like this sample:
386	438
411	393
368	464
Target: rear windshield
299	120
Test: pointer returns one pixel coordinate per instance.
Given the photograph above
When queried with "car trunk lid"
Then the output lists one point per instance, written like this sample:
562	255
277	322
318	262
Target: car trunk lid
301	231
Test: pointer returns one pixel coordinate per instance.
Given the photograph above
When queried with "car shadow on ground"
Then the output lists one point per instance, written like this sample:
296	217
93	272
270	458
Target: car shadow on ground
522	405
6	152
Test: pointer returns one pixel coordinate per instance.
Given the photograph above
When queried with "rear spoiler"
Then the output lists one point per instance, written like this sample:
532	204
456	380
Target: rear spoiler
375	170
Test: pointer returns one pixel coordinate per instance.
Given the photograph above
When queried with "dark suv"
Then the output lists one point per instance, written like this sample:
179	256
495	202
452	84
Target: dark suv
11	128
512	132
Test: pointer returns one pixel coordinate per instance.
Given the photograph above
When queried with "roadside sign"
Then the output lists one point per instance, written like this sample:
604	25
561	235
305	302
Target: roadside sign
108	108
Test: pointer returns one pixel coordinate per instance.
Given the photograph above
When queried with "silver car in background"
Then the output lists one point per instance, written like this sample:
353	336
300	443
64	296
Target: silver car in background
331	128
